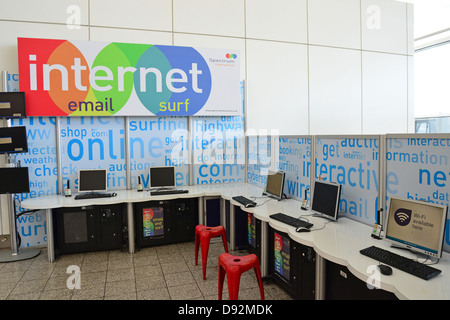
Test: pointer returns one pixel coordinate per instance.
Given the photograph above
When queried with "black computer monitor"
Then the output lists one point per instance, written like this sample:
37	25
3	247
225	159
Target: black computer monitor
12	105
162	177
416	225
13	140
14	180
275	184
92	180
325	199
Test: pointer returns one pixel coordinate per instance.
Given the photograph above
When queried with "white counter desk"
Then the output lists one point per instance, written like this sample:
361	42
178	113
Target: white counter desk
338	242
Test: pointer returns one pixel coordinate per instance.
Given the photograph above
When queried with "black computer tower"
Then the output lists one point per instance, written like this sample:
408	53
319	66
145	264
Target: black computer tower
166	221
292	265
88	228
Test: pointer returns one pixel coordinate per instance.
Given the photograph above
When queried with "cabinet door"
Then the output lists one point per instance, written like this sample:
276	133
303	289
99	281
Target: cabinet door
75	230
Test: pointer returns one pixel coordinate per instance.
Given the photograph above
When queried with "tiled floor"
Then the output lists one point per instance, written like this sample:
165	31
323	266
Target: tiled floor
156	273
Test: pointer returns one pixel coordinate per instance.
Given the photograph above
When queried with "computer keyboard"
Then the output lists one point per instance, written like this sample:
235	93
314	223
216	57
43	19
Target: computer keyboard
170	191
408	265
245	201
94	195
294	222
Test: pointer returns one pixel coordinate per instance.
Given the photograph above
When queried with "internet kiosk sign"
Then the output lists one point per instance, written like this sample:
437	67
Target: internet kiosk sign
76	78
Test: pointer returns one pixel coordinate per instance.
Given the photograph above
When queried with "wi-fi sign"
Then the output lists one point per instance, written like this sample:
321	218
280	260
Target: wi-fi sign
403	216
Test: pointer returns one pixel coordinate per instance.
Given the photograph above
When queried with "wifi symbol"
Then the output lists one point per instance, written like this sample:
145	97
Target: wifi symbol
402	216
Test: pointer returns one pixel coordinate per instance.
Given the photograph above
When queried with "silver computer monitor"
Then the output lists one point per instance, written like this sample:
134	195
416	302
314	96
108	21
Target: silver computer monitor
275	184
92	180
416	225
162	177
325	199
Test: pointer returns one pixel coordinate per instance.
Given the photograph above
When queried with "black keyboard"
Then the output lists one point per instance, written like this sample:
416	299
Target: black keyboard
408	265
164	192
95	195
294	222
245	201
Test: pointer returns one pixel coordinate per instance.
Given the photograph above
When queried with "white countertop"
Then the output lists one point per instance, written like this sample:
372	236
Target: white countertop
338	242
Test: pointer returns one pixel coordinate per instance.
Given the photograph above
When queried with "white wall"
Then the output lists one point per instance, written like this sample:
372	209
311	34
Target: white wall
310	66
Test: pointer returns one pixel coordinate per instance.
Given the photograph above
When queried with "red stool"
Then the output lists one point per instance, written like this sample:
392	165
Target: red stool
203	235
234	266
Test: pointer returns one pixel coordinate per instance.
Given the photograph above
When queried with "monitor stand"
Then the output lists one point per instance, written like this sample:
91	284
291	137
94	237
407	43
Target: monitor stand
16	254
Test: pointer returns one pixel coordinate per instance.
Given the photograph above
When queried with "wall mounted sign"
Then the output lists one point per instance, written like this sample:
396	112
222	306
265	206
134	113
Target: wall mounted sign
80	78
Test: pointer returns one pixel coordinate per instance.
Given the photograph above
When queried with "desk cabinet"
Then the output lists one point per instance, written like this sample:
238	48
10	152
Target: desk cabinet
341	284
292	265
166	221
88	228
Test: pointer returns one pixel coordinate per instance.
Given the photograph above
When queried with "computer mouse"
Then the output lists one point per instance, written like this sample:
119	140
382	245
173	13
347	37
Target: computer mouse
302	229
384	269
250	205
114	194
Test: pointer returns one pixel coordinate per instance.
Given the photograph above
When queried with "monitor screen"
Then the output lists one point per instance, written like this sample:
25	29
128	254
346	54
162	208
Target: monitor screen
12	105
416	225
17	180
325	200
162	177
275	184
90	180
13	140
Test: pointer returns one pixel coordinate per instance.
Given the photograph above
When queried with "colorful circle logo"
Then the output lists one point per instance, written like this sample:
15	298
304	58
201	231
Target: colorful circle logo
165	80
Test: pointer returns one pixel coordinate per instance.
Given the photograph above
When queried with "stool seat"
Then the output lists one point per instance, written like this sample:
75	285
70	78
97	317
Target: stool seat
233	266
203	235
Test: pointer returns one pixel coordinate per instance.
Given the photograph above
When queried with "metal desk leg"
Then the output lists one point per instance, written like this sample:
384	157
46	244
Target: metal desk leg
130	212
264	248
201	213
232	228
320	278
50	241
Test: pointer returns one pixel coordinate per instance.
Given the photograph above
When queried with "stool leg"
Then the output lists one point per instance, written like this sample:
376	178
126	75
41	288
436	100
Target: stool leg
205	248
197	244
233	279
260	283
224	240
221	279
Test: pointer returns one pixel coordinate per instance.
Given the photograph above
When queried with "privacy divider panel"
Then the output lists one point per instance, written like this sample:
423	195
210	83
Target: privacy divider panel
218	149
353	162
417	167
93	143
259	159
158	142
295	160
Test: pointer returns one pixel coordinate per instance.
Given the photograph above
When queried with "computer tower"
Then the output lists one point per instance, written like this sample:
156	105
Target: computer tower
292	265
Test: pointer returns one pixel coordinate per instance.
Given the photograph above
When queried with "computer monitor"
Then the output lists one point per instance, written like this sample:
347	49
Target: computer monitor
92	180
162	177
13	140
416	225
325	199
14	180
274	184
12	105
